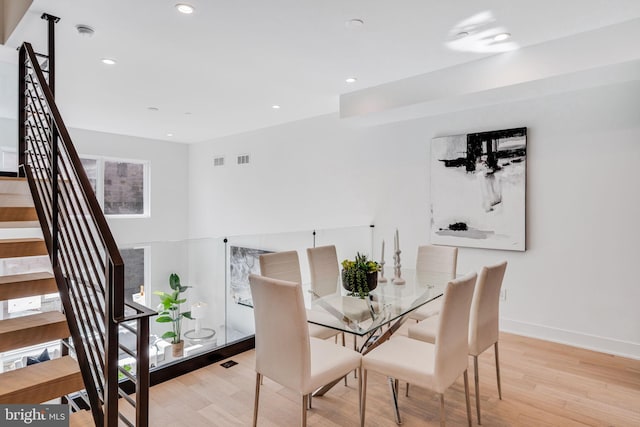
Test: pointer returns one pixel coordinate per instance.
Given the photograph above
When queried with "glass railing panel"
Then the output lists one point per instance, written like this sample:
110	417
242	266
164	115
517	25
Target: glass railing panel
217	270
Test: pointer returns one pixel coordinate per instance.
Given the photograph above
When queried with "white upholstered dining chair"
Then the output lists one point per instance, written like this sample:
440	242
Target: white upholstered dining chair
284	351
483	327
324	269
435	264
433	366
286	266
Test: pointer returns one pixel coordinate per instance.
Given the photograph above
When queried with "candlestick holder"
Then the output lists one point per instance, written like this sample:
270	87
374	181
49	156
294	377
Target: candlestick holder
397	279
381	277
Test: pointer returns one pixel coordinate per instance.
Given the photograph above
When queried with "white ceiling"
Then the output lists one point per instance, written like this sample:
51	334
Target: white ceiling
219	71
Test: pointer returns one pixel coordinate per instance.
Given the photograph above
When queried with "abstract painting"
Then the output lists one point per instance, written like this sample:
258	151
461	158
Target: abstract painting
478	183
242	263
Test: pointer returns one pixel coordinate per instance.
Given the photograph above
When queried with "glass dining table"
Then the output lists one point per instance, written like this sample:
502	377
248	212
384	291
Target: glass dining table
387	305
376	317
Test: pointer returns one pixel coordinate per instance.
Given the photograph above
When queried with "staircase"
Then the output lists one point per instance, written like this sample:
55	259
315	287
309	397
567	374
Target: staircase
48	380
87	268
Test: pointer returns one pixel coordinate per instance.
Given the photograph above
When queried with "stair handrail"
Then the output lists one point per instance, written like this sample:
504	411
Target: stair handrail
83	251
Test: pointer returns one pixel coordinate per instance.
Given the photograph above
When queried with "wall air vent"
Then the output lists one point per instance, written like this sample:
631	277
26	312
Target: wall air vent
218	161
243	159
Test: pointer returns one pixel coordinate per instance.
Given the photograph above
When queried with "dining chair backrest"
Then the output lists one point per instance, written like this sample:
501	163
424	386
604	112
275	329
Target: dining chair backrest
281	265
452	346
324	269
485	309
282	336
437	260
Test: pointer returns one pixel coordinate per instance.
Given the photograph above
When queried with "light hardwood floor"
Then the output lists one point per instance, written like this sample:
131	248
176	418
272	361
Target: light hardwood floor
543	384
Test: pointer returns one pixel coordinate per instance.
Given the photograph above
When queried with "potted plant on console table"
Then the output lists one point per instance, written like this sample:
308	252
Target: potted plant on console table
360	276
169	312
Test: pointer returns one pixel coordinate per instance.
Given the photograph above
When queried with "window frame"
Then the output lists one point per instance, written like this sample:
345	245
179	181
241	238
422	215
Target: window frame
100	184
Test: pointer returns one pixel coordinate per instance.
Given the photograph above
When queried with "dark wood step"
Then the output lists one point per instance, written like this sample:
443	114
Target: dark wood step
41	382
30	330
27	285
14	248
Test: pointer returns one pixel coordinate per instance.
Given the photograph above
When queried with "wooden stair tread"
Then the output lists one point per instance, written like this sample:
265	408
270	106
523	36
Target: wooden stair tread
41	382
27	285
15	248
81	419
18	213
30	330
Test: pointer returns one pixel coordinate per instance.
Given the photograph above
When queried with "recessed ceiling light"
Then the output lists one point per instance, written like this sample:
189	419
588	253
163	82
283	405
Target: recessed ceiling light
187	9
169	134
351	80
462	34
153	108
501	37
108	61
275	107
354	23
84	30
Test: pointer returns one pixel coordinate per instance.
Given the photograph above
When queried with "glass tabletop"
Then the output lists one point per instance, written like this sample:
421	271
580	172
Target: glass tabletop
386	303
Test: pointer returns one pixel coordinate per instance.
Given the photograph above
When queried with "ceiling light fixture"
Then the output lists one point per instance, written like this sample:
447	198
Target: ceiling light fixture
169	134
354	23
501	37
108	61
275	107
153	108
187	9
85	30
351	80
462	34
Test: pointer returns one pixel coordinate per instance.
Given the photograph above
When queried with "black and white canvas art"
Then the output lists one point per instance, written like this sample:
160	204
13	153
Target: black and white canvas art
478	183
242	263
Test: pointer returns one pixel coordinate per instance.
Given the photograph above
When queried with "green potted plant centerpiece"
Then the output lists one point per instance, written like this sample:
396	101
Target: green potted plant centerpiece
360	276
169	312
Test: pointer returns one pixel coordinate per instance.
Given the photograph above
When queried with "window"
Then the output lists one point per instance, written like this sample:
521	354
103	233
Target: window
121	186
134	273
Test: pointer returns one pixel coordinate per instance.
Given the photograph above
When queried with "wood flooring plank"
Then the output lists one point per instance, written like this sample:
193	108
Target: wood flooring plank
543	384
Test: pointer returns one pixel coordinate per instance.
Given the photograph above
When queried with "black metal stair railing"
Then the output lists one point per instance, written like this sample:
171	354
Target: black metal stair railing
87	264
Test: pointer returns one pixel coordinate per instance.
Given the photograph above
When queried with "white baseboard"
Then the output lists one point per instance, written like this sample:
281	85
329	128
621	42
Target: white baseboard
572	338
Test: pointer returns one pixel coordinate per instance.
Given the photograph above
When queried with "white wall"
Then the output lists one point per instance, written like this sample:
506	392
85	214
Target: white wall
168	175
574	284
168	180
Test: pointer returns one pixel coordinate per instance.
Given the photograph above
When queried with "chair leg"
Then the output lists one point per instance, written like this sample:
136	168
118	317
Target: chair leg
406	392
360	394
466	392
476	378
393	386
305	402
442	423
363	397
310	397
495	346
257	398
355	348
343	344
